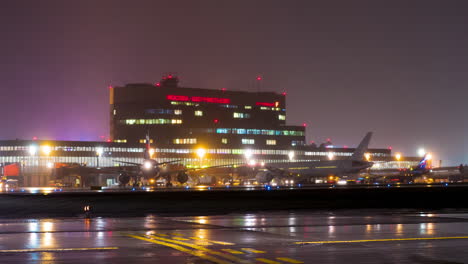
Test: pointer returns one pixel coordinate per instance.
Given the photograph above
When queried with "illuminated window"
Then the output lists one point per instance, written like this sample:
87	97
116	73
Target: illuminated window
248	141
248	107
198	113
115	112
144	141
268	132
120	140
281	117
271	141
224	140
241	115
185	141
297	143
177	112
159	121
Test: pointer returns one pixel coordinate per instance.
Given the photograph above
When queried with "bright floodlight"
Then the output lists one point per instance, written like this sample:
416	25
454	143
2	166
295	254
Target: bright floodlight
201	152
421	152
99	151
32	150
252	162
46	149
50	165
151	151
248	153
331	155
291	155
147	165
428	156
367	155
398	156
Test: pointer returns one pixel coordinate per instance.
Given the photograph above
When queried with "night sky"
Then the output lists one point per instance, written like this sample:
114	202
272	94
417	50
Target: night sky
398	68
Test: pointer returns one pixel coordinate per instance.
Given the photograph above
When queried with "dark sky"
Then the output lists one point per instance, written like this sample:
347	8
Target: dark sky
398	68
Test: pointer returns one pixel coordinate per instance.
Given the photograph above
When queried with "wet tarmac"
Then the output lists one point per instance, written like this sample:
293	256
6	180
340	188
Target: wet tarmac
344	236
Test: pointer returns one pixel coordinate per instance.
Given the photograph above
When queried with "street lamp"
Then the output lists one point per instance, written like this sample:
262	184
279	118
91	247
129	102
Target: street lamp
46	149
331	155
151	152
367	155
201	152
398	157
421	152
32	150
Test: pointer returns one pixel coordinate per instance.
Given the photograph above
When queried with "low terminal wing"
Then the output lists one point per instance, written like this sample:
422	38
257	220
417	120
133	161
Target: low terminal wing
139	164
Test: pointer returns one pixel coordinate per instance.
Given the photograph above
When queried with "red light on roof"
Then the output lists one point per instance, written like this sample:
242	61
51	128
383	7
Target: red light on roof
110	87
312	142
284	93
304	124
169	76
390	147
108	140
259	78
345	146
34	138
158	84
328	139
216	121
223	89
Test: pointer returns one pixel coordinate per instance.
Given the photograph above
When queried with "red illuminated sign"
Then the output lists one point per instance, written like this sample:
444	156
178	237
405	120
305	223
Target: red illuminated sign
185	98
275	104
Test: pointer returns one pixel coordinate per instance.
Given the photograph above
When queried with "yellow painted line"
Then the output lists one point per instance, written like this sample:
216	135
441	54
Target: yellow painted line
382	240
176	234
185	250
213	241
160	234
290	260
213	252
180	238
253	250
232	251
54	249
264	260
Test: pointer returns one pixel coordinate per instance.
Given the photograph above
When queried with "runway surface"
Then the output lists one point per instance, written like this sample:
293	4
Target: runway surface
372	236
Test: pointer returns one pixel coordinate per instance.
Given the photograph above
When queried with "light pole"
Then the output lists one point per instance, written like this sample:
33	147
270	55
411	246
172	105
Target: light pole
32	152
99	151
201	152
46	150
398	157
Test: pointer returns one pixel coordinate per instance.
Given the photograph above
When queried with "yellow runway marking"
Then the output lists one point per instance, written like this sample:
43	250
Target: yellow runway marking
213	241
232	251
176	234
253	250
160	234
180	238
264	260
290	260
213	252
53	249
381	240
182	249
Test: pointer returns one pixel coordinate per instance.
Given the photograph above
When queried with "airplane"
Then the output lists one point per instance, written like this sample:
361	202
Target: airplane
325	168
423	170
151	168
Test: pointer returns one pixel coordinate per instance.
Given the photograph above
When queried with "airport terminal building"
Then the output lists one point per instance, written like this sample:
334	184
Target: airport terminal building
231	127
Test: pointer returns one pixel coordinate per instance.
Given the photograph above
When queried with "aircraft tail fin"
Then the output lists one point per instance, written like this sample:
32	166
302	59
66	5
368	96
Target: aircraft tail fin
424	163
362	148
